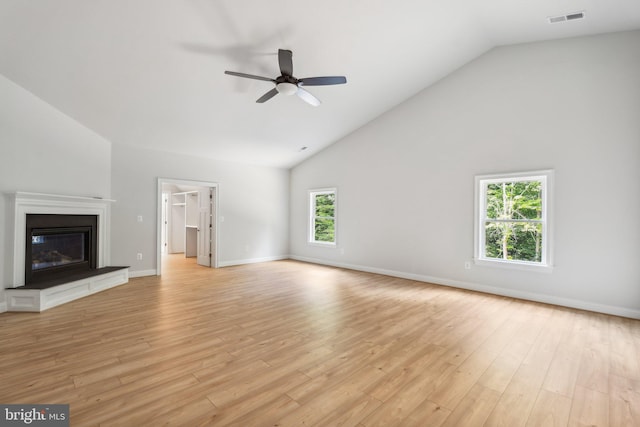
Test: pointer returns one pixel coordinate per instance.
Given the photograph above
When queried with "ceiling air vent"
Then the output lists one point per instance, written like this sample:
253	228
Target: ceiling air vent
563	18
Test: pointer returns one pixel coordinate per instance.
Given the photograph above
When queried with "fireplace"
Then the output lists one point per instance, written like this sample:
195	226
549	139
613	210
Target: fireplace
58	246
61	251
61	219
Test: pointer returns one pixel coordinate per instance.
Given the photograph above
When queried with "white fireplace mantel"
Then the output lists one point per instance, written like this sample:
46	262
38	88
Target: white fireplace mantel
37	203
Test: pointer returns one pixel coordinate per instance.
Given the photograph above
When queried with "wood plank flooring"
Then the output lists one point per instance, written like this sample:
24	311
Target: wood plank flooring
293	344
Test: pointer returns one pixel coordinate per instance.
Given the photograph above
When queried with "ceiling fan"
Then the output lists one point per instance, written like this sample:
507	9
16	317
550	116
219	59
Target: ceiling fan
287	84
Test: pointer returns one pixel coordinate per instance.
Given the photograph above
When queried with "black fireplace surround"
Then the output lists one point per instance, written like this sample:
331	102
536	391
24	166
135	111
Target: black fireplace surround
59	246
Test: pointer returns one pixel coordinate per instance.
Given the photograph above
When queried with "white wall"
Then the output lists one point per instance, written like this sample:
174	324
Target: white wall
44	151
405	180
253	200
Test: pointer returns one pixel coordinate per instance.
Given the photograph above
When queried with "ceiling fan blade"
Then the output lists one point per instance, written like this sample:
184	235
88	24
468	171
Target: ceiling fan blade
322	81
249	76
285	59
307	97
267	96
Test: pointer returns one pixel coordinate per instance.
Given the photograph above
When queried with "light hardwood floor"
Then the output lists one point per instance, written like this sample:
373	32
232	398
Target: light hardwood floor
291	344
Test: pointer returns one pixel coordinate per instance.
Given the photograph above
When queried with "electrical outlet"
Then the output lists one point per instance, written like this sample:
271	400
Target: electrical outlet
139	256
467	265
139	218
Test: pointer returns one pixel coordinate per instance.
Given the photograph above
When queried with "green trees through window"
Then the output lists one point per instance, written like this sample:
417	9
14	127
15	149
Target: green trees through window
512	218
323	216
514	221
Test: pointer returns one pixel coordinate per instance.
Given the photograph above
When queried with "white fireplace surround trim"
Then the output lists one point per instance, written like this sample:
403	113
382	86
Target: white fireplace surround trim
38	203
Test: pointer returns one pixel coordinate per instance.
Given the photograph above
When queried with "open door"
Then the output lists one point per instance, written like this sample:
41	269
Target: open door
205	227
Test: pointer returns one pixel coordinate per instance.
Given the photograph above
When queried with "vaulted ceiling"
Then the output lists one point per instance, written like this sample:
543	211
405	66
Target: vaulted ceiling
150	73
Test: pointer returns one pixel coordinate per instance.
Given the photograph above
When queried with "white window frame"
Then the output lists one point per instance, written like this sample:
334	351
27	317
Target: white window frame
312	218
481	181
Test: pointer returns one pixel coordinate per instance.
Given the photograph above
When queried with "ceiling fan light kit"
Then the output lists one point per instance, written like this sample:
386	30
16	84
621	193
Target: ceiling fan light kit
287	84
286	88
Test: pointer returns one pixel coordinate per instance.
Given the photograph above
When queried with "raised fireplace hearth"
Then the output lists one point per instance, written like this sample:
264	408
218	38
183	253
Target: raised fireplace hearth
61	251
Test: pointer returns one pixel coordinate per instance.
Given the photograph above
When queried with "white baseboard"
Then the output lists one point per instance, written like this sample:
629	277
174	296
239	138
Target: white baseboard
530	296
3	307
252	260
141	273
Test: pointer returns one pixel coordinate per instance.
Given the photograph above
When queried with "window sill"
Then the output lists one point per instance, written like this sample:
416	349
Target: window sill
322	244
514	265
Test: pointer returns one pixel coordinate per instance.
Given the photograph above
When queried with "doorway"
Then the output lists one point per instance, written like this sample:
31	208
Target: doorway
187	221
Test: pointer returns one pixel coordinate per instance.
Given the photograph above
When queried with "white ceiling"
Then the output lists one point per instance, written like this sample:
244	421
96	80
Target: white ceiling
150	73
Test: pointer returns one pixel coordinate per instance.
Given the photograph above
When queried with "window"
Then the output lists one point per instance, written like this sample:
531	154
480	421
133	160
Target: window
322	228
513	219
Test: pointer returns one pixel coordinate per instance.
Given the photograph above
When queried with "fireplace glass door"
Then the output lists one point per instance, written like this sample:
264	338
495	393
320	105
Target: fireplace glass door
53	250
59	246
